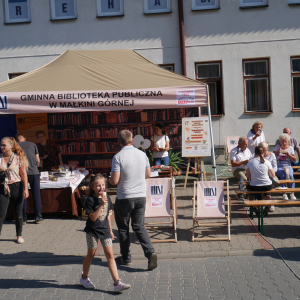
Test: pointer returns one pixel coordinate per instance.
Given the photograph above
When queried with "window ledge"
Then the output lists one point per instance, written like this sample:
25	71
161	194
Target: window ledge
13	23
110	16
157	12
293	4
296	110
254	6
63	19
257	112
204	9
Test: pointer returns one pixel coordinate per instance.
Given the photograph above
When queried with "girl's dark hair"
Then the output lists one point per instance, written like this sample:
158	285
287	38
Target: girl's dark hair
92	180
159	125
259	151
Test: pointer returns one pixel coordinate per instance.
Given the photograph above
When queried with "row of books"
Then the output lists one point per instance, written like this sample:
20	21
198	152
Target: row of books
107	146
93	163
176	142
69	133
89	147
173	129
95	118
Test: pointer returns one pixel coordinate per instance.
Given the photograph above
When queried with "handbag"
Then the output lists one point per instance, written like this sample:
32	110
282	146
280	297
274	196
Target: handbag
4	173
275	181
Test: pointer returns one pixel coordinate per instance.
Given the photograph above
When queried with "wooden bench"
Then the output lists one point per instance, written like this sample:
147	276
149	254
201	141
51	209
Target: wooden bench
281	181
261	203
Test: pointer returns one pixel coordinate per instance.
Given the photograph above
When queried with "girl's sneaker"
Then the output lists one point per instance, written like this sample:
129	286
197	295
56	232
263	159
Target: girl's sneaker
121	286
285	197
292	197
87	283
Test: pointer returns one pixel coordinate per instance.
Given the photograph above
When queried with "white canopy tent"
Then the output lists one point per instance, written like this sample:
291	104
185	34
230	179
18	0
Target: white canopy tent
101	80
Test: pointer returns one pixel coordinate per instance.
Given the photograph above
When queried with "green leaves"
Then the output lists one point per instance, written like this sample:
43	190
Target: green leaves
175	160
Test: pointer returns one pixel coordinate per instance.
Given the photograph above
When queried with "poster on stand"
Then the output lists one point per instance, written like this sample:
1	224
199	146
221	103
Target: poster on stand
195	137
29	124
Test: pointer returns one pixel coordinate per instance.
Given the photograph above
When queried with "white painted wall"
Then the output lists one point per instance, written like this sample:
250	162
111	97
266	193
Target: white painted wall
229	34
155	36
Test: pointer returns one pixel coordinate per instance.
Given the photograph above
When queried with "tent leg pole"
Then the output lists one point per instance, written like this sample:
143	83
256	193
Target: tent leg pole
212	143
199	115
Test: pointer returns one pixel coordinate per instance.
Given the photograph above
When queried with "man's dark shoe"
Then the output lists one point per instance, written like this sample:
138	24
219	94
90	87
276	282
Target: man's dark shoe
152	262
119	261
39	220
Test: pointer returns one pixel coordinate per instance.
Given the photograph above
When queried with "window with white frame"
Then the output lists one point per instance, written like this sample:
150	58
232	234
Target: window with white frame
157	6
253	3
295	70
205	4
63	9
211	74
110	8
17	11
290	2
257	85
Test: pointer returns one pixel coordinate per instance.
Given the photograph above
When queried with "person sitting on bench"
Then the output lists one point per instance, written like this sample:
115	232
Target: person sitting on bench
293	143
285	154
239	157
258	172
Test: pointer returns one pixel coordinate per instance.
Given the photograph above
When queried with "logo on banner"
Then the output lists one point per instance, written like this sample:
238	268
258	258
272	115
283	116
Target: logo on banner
3	102
210	191
185	97
156	189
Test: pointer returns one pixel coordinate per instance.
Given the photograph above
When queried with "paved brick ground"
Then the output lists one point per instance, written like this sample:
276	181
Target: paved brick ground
57	237
234	278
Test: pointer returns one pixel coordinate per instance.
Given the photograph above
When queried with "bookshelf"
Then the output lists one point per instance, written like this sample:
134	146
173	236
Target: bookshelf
90	138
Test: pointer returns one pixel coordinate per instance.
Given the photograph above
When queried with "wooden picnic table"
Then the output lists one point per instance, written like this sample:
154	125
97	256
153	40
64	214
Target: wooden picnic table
261	203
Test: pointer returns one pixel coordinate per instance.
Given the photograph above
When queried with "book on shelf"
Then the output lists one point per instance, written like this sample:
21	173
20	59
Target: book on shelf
89	147
120	117
98	163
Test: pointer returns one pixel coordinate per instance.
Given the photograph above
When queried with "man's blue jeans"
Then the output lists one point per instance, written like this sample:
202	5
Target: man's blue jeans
133	208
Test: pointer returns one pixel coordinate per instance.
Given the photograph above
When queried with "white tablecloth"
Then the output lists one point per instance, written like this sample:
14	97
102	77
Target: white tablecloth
72	182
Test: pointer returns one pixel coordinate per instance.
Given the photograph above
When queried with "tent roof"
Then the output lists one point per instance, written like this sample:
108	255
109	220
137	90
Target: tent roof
80	70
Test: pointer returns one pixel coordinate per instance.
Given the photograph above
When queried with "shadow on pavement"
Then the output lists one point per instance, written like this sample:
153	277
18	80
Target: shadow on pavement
33	284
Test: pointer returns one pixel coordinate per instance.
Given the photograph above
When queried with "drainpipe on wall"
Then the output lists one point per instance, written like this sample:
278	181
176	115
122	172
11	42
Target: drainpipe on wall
182	38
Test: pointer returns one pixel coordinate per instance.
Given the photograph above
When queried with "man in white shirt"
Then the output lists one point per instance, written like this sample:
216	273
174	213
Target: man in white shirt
130	168
239	157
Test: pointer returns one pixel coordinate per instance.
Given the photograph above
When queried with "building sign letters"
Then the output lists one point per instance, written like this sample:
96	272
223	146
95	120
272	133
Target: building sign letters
63	9
157	6
107	8
17	11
